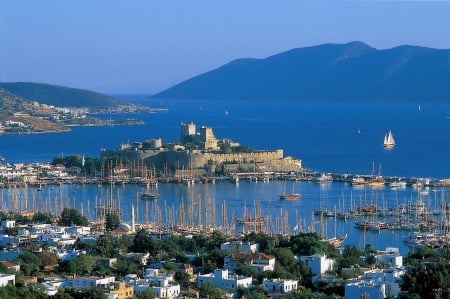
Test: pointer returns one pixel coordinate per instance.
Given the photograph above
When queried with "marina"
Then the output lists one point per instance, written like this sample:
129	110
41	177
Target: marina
379	216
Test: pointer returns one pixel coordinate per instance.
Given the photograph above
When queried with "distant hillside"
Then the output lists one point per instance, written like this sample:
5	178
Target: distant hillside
60	96
352	71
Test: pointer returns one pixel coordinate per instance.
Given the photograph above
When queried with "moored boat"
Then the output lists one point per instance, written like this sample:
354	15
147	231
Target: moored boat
291	196
149	195
358	180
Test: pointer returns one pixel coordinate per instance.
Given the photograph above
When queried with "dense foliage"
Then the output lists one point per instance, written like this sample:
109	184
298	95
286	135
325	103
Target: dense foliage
71	216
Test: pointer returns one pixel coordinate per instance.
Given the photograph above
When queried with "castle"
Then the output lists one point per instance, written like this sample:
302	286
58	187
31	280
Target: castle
201	153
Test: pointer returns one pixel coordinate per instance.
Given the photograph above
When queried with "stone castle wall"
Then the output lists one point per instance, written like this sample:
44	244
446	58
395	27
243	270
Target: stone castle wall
178	160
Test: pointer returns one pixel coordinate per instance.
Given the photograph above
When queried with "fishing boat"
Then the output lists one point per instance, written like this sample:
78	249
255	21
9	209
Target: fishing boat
389	141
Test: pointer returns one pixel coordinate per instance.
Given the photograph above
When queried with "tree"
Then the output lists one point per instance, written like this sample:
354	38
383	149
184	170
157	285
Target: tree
427	280
41	217
148	294
112	221
142	242
208	290
48	259
216	239
29	263
308	244
183	279
85	264
70	216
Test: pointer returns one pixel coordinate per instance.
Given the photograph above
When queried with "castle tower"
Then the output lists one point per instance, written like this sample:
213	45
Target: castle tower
187	131
207	138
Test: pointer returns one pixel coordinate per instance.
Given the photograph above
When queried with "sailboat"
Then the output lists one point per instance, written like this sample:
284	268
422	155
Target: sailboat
389	141
291	196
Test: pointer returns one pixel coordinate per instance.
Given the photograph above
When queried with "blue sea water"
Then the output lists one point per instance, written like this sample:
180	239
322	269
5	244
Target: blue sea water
328	137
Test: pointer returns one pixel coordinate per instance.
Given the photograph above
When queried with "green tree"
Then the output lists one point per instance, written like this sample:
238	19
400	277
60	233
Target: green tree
427	280
41	217
216	239
85	264
286	258
145	295
70	216
29	263
112	221
142	242
208	290
308	244
183	279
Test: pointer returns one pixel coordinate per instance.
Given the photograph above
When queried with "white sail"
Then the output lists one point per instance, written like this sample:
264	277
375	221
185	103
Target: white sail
389	140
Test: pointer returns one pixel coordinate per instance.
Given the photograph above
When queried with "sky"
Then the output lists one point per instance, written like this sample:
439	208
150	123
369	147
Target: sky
147	46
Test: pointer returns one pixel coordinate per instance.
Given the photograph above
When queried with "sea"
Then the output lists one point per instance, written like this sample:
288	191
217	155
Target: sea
335	137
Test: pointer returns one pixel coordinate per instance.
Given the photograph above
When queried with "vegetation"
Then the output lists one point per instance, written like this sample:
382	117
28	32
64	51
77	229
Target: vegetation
60	96
71	217
421	278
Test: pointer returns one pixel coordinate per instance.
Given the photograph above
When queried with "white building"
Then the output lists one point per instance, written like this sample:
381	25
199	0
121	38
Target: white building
258	261
8	223
163	286
223	280
80	283
280	285
390	256
376	283
319	264
239	246
6	279
365	289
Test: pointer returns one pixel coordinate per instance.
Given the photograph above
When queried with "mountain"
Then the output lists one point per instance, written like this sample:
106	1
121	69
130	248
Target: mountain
352	71
61	96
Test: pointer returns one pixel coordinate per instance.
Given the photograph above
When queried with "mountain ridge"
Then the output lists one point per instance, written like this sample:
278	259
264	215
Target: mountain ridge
351	71
60	96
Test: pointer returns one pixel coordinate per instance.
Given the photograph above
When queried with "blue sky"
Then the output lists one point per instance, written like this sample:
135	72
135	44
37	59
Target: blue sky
146	46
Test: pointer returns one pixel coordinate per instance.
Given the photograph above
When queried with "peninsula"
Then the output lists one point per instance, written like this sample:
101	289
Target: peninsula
29	108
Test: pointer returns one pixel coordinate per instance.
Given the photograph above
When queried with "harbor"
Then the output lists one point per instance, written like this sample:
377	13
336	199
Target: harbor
381	216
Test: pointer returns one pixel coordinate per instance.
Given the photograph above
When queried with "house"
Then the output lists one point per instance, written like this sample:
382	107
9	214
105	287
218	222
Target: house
378	283
6	279
80	283
121	290
52	284
280	285
8	224
390	256
319	264
258	261
11	266
222	279
6	241
162	285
